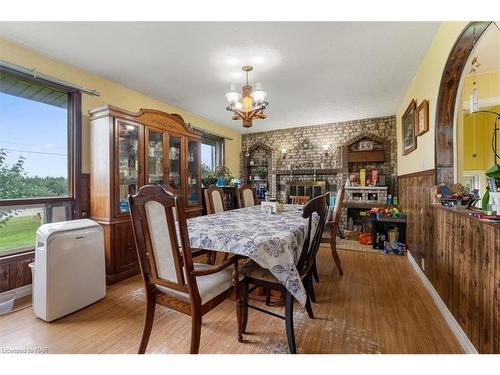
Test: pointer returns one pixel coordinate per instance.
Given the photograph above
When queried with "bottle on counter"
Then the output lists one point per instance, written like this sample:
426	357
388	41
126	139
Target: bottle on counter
486	199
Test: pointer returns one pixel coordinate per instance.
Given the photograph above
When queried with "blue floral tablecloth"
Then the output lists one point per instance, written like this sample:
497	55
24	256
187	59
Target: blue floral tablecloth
274	241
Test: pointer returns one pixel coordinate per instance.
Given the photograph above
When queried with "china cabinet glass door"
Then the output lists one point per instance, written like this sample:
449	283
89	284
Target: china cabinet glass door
174	161
193	168
128	163
154	158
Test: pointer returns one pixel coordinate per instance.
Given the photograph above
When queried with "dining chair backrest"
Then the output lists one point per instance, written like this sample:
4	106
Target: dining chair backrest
339	202
319	206
214	198
164	255
246	196
299	199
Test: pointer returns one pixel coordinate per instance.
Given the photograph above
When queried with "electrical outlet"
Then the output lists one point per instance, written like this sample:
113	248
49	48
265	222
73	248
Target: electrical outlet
423	264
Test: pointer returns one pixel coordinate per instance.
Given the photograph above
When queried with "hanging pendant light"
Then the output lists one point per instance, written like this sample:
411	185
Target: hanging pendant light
474	95
249	105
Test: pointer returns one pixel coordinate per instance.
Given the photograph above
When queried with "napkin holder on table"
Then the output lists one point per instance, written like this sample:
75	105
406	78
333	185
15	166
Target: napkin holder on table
276	207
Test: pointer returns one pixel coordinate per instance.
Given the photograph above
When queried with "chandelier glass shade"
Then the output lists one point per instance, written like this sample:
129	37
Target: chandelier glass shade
250	104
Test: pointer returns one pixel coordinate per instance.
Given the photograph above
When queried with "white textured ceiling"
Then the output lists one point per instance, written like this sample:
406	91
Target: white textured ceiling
314	72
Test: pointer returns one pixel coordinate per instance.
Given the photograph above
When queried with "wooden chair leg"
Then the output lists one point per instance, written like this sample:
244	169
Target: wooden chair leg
335	255
148	322
309	308
315	272
268	296
310	288
239	302
290	334
244	315
196	319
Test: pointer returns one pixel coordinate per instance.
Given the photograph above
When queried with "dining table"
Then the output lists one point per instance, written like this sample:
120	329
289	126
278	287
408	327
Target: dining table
273	240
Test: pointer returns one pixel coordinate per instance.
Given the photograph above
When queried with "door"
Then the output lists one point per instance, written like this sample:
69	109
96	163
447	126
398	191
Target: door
128	164
155	157
175	161
193	185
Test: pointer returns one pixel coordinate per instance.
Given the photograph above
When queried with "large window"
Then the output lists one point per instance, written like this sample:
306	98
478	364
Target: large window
212	151
38	128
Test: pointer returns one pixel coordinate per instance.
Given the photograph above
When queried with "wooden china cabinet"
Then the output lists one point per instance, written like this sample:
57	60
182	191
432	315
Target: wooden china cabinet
127	151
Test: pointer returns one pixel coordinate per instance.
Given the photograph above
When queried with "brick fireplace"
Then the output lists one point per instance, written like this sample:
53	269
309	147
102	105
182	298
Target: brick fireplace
317	153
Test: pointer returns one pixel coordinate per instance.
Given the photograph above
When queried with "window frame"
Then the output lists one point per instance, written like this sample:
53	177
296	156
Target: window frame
74	137
220	146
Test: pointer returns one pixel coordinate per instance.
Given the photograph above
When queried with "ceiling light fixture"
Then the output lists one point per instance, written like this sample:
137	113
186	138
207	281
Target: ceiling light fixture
250	104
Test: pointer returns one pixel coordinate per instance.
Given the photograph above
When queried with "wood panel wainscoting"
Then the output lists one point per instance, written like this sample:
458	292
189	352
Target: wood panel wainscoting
14	271
460	257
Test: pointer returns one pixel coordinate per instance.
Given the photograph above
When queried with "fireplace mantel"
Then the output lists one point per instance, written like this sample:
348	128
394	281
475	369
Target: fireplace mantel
308	171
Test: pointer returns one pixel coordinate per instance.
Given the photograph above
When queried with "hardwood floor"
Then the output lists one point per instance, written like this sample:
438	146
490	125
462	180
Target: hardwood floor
378	306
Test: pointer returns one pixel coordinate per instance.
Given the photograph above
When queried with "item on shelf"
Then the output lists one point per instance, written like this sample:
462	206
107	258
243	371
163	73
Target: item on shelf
389	199
350	224
123	206
395	200
220	182
457	195
365	145
393	235
362	177
332	200
351	235
365	239
381	180
174	153
375	176
379	212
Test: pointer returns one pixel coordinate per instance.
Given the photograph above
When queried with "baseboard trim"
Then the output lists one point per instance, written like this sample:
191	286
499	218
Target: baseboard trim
459	333
19	292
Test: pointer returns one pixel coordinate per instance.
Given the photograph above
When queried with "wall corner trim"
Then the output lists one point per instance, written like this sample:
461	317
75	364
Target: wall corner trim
459	333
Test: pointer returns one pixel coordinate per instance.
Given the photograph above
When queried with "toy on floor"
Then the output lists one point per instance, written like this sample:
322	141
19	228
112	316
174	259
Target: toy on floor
396	248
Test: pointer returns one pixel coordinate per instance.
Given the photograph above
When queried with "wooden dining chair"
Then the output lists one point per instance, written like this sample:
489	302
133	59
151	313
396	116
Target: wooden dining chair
334	227
246	196
214	197
299	199
170	277
333	220
260	277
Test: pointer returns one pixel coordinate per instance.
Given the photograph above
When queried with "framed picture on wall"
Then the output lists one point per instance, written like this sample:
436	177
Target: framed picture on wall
409	129
422	117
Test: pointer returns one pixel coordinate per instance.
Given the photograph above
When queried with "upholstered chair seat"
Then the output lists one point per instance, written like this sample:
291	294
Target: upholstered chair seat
209	286
253	270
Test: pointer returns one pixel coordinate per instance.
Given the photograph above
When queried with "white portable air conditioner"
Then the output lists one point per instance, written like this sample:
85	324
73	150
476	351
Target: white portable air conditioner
69	271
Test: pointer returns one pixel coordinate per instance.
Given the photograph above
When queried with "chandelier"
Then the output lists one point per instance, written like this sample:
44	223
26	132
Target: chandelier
250	104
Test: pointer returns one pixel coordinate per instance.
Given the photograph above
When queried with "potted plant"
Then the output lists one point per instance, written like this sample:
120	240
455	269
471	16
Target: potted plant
207	175
223	176
261	173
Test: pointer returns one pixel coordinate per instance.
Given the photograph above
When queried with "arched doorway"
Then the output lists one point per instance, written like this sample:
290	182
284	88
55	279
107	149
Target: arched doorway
447	97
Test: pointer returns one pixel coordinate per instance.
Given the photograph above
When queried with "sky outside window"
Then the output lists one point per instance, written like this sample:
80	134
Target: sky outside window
38	132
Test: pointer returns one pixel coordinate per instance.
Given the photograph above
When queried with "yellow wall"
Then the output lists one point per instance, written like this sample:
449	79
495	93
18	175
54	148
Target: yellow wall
425	85
488	85
114	94
484	132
